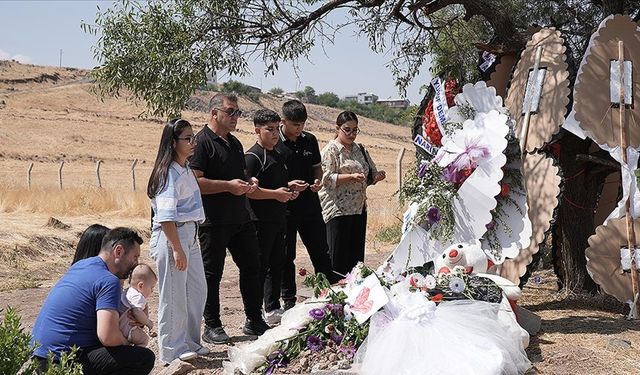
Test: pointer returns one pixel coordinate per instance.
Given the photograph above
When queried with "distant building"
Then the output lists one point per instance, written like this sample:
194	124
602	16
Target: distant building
257	90
395	103
362	98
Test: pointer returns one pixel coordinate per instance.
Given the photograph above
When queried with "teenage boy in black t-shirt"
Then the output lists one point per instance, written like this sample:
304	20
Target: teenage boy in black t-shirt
304	215
218	163
269	203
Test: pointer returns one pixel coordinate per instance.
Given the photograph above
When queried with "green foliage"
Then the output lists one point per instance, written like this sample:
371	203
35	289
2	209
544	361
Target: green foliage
276	91
390	234
408	116
16	351
14	344
310	95
242	89
375	111
160	50
328	99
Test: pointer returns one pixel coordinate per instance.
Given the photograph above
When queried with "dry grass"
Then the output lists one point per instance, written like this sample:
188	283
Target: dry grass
73	201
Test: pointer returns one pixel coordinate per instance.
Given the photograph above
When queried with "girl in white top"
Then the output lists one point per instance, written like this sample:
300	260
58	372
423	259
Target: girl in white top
177	211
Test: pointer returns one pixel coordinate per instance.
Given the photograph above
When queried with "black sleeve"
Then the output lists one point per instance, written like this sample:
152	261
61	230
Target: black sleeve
253	164
201	155
315	151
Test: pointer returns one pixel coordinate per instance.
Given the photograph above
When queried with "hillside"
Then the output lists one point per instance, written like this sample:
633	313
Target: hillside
49	115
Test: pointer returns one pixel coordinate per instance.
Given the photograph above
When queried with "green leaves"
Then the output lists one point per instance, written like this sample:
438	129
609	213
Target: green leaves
16	351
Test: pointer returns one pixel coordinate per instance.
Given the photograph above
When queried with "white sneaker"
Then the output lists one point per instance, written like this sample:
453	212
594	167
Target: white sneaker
274	316
187	356
203	351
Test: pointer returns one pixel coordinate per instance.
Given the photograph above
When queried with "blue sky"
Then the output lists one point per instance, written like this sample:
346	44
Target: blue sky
35	32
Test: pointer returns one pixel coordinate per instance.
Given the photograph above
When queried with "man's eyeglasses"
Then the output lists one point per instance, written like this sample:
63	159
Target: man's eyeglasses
349	131
191	139
232	112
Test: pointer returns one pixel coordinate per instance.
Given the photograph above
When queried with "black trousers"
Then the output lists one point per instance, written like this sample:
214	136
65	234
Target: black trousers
242	242
271	238
114	360
346	239
313	233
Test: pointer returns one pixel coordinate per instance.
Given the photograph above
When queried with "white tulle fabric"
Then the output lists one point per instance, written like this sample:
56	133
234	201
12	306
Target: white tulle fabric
413	336
246	358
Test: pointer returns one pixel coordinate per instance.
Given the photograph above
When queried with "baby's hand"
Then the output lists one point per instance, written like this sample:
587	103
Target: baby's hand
150	325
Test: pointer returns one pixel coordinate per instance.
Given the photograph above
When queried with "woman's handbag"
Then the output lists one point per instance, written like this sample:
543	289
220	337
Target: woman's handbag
370	174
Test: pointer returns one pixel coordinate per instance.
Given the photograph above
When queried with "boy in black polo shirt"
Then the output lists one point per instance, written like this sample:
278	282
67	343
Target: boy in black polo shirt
304	215
218	163
269	203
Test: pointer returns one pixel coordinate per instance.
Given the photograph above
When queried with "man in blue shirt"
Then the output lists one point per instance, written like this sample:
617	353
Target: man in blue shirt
82	310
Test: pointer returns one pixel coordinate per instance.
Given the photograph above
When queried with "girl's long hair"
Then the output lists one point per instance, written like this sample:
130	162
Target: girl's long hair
166	153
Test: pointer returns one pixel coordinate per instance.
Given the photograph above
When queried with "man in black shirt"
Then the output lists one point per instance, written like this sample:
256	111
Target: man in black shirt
269	203
218	163
304	215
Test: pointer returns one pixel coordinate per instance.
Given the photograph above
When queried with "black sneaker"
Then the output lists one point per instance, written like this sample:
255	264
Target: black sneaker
255	327
215	335
288	304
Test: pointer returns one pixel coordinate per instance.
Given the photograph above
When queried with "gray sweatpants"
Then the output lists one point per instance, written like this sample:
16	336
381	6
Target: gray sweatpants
182	293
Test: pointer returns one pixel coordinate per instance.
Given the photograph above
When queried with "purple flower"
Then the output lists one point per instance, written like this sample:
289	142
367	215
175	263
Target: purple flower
349	350
422	169
537	280
275	360
335	337
433	215
491	225
317	314
314	343
335	308
452	175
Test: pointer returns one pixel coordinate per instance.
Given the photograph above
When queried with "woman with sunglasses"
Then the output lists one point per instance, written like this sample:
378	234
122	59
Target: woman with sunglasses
348	170
177	211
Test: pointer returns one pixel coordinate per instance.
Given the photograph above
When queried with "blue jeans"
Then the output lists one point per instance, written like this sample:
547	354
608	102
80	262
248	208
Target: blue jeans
182	293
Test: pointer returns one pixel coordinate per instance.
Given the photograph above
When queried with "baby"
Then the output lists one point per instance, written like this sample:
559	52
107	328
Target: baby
133	309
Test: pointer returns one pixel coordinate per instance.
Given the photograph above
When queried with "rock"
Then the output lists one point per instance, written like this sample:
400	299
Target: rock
333	357
55	223
619	344
177	367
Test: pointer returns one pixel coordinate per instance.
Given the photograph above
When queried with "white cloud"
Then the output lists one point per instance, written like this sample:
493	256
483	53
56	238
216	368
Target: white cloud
4	55
21	59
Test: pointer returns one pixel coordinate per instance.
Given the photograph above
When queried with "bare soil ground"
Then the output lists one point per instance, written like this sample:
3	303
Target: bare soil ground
49	114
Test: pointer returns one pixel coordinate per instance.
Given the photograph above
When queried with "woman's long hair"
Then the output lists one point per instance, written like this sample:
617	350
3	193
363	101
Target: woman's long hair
166	152
90	242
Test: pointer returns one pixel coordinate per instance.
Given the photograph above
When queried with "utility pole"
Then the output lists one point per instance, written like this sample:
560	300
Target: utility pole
61	57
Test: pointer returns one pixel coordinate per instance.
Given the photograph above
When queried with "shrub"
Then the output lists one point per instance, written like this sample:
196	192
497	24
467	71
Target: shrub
16	351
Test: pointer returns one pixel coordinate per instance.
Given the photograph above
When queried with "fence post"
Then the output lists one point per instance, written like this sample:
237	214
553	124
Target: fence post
29	176
133	174
399	168
98	173
60	175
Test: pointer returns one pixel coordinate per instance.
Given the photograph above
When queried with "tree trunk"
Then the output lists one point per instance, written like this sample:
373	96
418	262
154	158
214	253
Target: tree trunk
575	214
